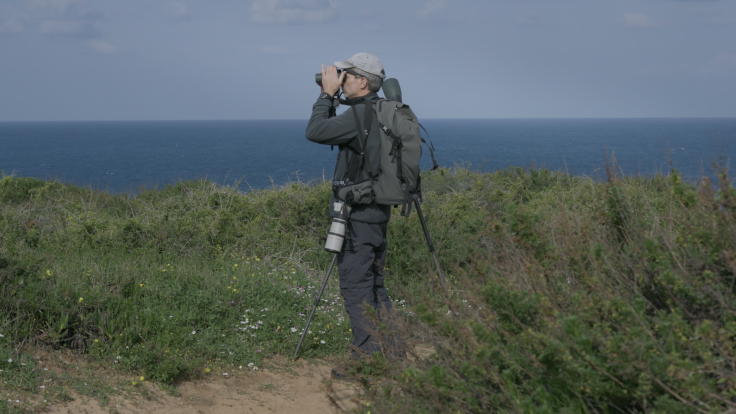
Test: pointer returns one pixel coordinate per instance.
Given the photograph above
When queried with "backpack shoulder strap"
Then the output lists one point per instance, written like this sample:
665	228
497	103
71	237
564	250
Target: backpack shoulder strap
362	140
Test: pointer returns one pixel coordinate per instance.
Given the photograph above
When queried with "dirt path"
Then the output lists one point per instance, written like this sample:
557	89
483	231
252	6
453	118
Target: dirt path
278	388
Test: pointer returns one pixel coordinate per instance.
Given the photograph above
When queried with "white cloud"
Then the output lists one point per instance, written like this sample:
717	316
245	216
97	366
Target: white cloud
60	6
101	47
275	50
372	26
436	11
12	25
73	28
177	9
432	10
722	19
61	27
73	19
638	20
707	17
724	62
293	11
528	16
11	21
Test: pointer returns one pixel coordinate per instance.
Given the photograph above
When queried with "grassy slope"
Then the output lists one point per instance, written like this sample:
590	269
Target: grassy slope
568	295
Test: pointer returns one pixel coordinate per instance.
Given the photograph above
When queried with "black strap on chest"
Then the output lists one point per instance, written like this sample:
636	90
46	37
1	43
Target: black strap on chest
363	136
357	155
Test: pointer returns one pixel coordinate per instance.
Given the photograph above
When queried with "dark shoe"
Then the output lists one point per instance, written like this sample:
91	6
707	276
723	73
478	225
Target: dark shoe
341	374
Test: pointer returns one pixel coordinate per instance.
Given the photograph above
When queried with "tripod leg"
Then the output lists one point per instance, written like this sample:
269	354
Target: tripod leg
429	242
316	303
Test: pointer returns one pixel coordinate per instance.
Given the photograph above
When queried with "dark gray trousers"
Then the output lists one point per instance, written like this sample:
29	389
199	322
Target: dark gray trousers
360	266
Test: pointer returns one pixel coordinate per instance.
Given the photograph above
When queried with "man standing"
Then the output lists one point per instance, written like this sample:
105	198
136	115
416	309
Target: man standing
361	261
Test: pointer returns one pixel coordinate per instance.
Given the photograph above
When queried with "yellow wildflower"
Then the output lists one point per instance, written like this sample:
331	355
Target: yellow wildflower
80	300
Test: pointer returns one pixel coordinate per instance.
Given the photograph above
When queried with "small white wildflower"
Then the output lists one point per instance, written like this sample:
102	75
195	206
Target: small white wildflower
42	386
293	329
2	336
194	332
322	341
10	360
240	367
224	373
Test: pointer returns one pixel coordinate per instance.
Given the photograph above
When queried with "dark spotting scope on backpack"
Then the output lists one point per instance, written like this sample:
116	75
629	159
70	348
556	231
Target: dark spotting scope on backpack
392	90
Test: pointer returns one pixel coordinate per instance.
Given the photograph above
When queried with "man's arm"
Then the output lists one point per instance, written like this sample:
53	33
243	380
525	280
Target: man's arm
321	128
330	131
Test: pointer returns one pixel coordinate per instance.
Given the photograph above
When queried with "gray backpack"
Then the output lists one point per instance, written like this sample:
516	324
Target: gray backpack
398	181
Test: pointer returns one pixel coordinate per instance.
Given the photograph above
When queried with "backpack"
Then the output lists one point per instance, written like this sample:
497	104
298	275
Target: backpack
398	180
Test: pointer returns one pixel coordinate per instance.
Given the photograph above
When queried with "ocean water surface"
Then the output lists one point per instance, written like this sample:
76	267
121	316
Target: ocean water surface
127	156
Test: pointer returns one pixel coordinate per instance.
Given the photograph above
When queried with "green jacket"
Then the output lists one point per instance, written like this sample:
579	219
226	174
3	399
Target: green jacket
340	131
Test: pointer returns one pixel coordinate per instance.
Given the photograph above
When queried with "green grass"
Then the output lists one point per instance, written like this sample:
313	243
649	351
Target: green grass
566	294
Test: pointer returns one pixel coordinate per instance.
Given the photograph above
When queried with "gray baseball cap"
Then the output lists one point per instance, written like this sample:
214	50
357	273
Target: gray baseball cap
364	61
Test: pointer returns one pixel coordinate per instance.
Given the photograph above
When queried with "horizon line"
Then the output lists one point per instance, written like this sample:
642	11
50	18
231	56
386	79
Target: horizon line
307	119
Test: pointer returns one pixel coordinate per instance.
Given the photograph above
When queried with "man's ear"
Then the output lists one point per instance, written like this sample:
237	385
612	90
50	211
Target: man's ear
363	83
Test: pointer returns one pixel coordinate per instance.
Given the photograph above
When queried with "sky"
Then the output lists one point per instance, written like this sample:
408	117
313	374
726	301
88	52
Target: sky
63	60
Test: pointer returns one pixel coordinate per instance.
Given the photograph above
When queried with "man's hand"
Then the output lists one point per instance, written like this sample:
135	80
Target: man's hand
330	81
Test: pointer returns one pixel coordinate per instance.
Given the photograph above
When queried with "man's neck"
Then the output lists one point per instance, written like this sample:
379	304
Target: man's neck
365	93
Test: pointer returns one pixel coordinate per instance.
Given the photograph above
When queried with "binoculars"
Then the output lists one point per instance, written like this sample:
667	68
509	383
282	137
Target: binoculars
318	77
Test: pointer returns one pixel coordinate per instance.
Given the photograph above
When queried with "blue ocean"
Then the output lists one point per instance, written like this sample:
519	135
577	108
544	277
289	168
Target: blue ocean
131	155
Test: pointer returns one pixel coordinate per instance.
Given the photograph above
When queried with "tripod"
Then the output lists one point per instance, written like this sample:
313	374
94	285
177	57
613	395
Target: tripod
334	259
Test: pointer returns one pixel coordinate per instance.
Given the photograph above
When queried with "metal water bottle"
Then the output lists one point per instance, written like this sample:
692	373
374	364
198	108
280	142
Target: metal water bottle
336	235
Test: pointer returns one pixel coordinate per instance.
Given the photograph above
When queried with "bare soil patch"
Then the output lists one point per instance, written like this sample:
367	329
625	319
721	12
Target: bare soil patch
281	386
